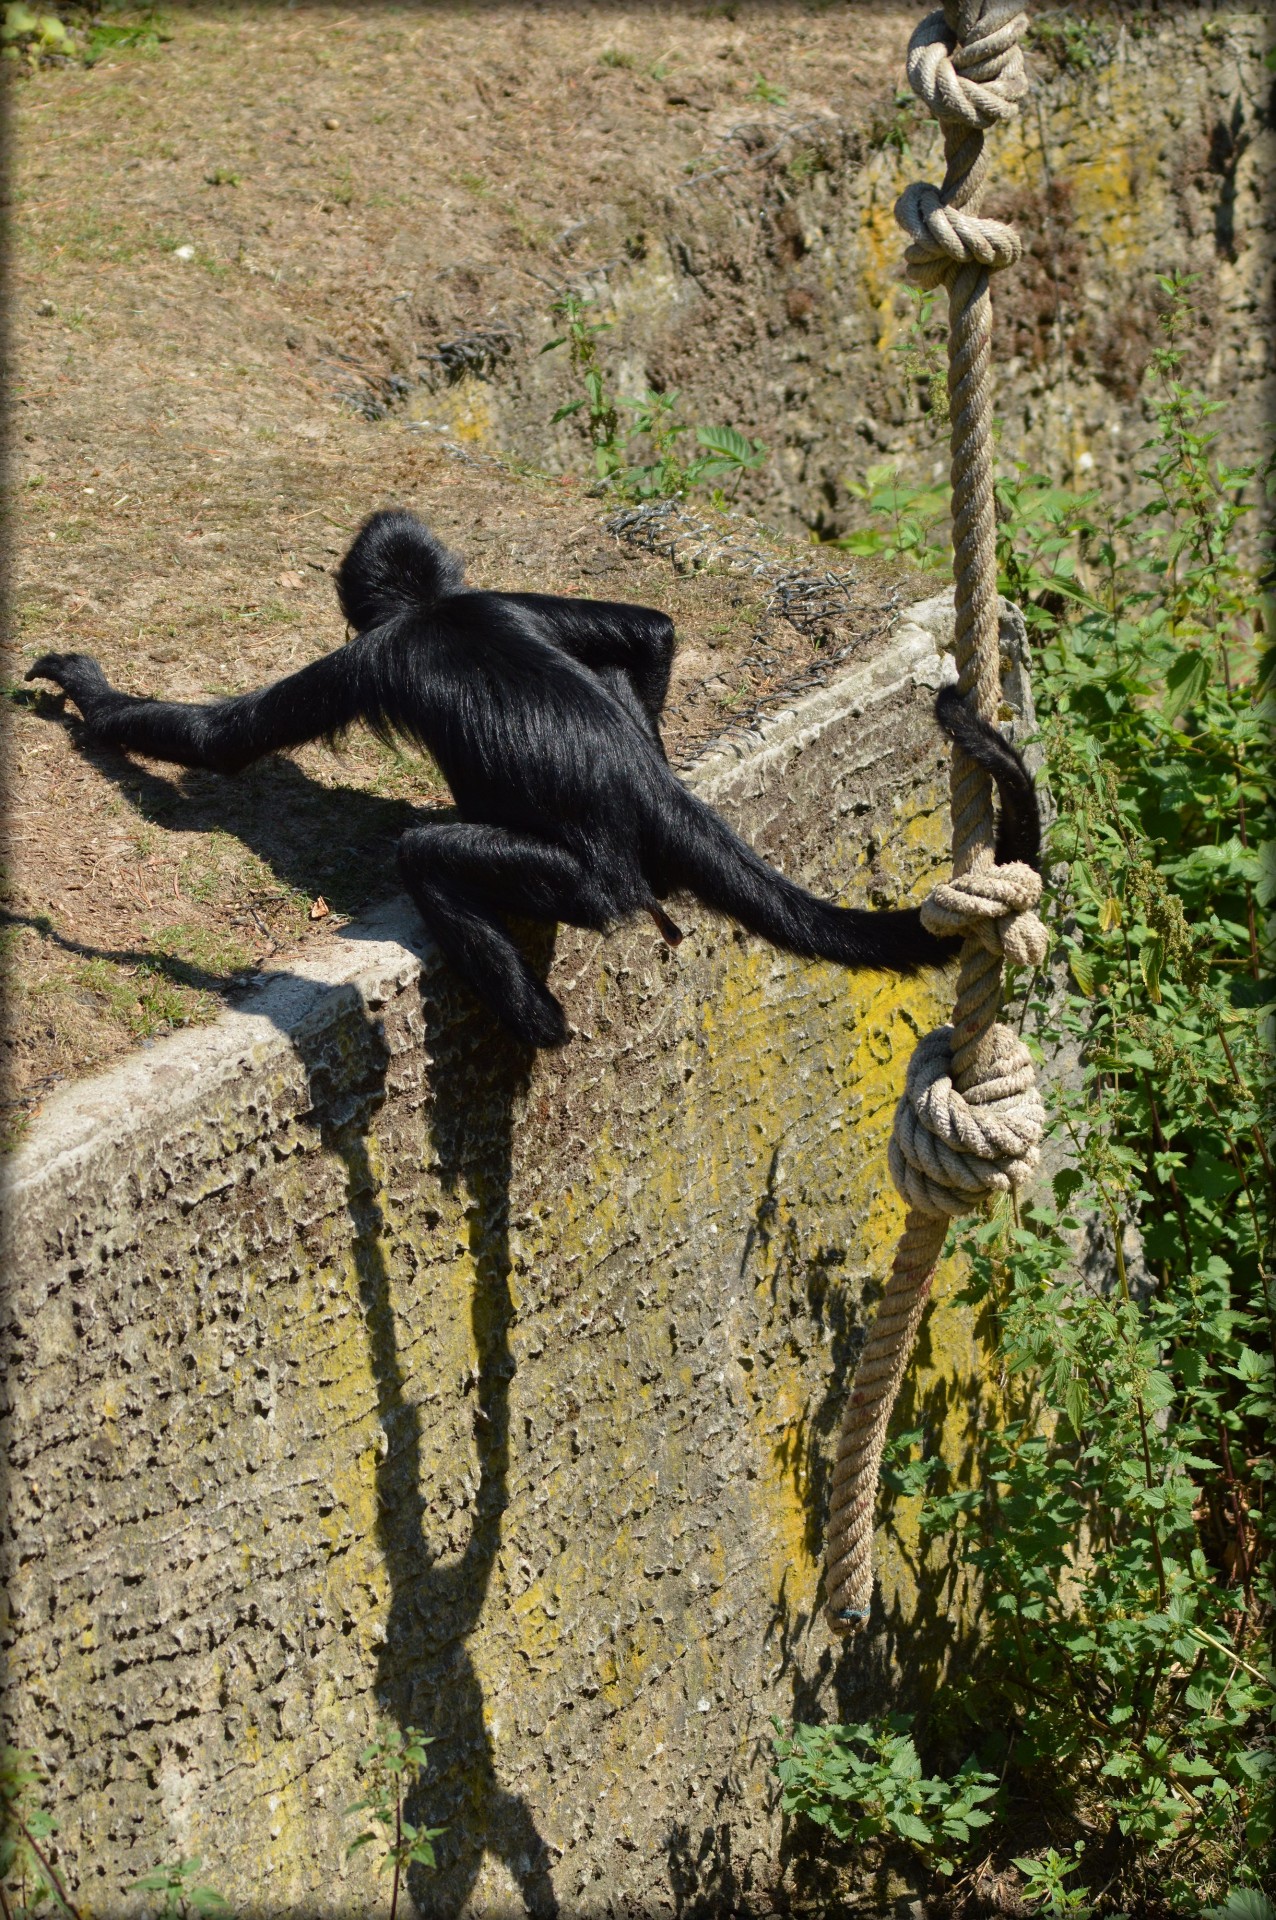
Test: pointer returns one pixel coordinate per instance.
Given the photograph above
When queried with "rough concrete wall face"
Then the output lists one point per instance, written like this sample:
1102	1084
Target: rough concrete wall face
358	1365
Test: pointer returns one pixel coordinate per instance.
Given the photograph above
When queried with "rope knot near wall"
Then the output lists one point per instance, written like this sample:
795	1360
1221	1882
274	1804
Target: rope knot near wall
994	906
970	1122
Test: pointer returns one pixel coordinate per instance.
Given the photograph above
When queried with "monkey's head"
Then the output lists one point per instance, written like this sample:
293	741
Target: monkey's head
395	566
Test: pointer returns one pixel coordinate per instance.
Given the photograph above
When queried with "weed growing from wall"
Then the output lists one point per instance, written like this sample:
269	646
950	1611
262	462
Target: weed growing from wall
1121	1524
184	1894
389	1767
643	458
30	1881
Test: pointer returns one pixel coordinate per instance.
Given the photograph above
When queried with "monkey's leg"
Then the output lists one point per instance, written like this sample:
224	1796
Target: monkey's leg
463	878
224	736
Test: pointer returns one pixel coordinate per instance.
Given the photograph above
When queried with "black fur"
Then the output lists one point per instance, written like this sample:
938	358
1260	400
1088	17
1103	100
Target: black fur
544	716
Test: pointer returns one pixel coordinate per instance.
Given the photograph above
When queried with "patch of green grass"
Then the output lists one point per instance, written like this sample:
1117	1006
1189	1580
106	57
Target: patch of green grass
80	233
804	164
341	189
206	878
141	999
769	95
211	949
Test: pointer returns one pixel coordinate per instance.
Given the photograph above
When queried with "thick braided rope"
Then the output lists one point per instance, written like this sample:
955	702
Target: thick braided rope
970	1121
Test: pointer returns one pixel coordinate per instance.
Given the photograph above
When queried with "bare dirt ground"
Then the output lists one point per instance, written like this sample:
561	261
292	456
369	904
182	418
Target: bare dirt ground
219	250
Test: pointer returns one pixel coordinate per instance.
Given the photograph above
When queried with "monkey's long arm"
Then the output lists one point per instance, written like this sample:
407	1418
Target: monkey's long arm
224	736
616	640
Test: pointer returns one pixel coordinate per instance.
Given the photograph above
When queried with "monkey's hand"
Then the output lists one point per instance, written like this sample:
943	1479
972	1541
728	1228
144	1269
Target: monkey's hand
77	674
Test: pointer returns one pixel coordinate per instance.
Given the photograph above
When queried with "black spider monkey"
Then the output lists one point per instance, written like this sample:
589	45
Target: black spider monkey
543	715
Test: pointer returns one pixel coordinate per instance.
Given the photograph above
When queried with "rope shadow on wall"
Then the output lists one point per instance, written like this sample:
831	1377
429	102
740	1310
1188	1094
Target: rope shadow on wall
914	1643
916	1640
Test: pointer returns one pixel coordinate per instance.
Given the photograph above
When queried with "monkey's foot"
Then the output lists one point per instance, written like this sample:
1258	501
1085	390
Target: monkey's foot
536	1018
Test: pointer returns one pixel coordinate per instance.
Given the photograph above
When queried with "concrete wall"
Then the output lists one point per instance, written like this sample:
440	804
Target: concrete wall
357	1365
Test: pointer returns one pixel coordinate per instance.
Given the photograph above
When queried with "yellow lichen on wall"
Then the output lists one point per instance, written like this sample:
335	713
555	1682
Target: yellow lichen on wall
466	410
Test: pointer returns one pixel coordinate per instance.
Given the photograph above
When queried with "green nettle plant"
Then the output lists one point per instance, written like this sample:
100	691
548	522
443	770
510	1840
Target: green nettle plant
912	521
1121	1520
29	1879
390	1766
865	1783
184	1894
654	428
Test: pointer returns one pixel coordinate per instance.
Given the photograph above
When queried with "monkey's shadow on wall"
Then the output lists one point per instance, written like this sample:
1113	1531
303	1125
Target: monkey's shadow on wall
306	834
426	1676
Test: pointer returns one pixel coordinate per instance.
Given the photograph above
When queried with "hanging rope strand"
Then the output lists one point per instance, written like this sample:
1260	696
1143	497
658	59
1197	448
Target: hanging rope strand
970	1121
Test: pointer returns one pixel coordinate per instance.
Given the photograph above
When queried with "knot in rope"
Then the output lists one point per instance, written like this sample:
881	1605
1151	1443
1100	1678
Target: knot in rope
945	239
992	905
975	83
968	84
950	1149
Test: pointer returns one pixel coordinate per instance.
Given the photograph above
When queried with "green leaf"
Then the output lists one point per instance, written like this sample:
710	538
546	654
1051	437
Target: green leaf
1185	682
1243	1903
18	22
1081	967
1151	961
911	1828
725	440
208	1900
